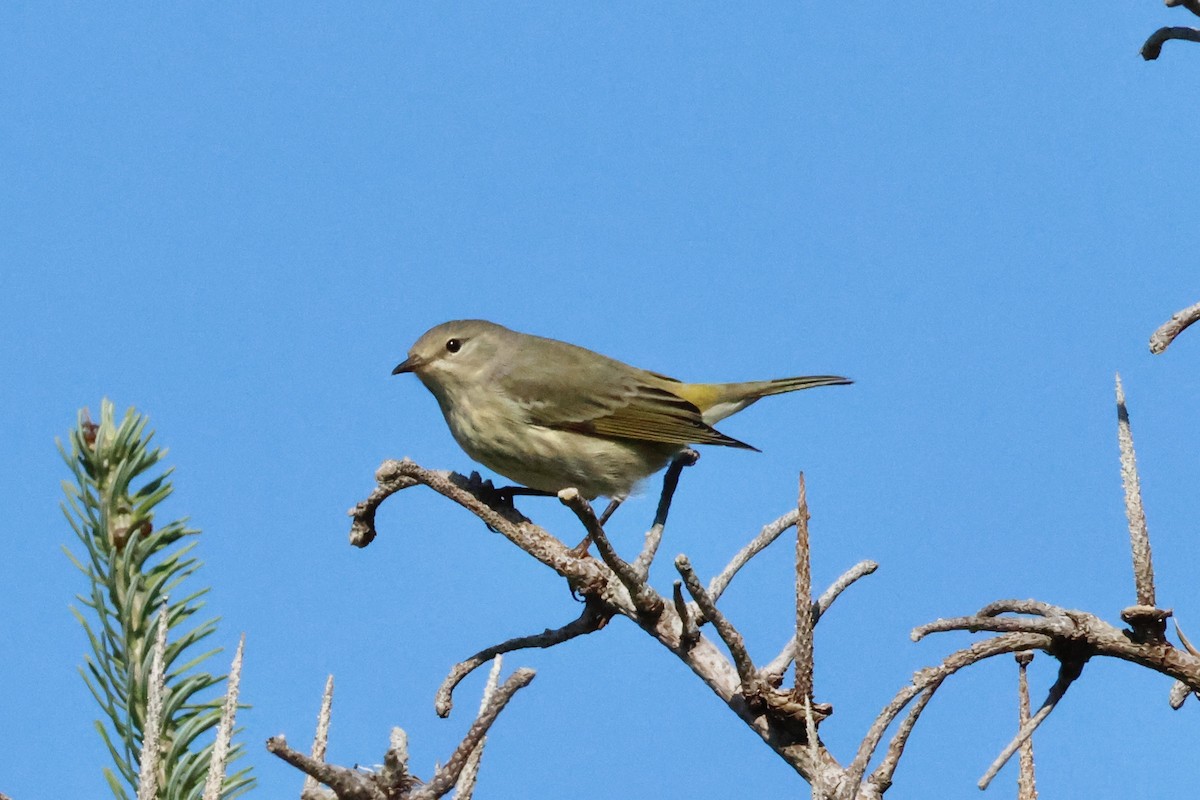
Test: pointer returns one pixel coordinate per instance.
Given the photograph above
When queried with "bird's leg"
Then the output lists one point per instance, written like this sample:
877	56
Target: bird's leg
580	550
613	505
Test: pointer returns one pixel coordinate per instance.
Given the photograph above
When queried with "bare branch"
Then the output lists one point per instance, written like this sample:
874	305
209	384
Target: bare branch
882	776
447	776
773	672
1191	5
690	634
362	516
1139	536
847	579
926	679
1161	339
654	536
645	599
1049	626
1026	780
1154	44
747	674
819	790
394	778
465	786
803	690
1068	671
770	532
1035	607
347	784
215	781
591	619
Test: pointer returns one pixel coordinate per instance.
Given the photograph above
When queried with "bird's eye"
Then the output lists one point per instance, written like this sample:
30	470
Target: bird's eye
454	345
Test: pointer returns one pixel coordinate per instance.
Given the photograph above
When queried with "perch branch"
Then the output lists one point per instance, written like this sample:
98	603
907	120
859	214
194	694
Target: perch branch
1161	339
393	476
362	516
591	619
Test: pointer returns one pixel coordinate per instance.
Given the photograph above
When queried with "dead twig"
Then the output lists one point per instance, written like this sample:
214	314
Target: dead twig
1161	339
1152	48
747	674
448	775
1026	780
773	672
689	633
1068	671
347	784
645	599
593	618
769	533
928	679
465	787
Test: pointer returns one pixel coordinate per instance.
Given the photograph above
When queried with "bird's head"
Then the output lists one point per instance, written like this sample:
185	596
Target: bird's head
454	354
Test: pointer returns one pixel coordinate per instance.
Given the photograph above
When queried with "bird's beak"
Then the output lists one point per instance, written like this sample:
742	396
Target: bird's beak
410	364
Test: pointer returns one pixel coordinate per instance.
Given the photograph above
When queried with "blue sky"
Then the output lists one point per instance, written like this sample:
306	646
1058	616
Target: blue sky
238	218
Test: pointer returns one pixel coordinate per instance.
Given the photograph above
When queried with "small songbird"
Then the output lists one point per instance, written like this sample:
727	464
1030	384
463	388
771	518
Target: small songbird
551	415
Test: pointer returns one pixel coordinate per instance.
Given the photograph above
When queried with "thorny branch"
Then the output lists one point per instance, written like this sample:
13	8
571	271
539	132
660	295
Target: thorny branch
803	690
785	720
1139	536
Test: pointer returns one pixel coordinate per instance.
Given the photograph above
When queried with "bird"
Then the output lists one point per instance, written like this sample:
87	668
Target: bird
551	415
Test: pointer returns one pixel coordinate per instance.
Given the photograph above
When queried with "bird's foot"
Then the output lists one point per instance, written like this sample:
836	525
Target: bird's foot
500	498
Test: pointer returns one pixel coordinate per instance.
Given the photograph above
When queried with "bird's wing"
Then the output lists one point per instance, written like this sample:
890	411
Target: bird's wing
592	394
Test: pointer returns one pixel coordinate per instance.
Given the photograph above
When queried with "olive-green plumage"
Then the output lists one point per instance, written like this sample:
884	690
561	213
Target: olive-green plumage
549	415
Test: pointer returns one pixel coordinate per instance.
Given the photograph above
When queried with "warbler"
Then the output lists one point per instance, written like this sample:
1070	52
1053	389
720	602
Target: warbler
551	415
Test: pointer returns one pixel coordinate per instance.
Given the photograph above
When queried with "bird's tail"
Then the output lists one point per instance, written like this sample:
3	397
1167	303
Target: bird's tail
719	400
